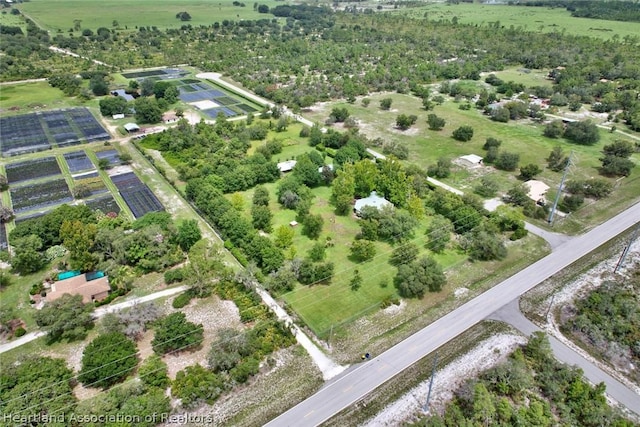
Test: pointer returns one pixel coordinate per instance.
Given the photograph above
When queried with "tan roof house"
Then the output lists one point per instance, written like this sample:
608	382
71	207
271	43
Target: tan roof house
537	190
92	290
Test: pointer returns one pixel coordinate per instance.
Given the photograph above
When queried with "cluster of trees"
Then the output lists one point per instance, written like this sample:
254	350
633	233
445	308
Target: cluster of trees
97	241
530	388
616	160
582	132
217	153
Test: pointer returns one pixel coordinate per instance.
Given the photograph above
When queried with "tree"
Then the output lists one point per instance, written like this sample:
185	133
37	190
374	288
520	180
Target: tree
284	236
4	183
312	226
27	257
404	122
79	239
385	104
261	217
339	115
616	166
356	281
404	254
188	234
485	246
435	122
317	252
174	334
464	133
307	171
37	386
146	89
584	132
439	233
555	129
414	279
557	160
195	385
98	85
343	189
483	408
441	169
6	214
147	110
362	250
507	161
261	196
488	186
263	8
491	142
183	16
529	171
107	360
619	148
65	318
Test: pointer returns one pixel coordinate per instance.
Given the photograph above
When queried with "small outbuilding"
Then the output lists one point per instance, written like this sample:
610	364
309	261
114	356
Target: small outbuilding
537	191
118	116
471	160
373	200
131	127
169	117
287	166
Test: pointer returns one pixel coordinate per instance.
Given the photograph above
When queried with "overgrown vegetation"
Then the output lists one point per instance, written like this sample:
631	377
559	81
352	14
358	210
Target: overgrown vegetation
530	388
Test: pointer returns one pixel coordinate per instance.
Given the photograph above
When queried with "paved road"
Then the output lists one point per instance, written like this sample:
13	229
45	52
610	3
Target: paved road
618	391
355	384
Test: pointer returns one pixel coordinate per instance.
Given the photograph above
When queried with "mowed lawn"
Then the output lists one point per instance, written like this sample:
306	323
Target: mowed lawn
60	14
322	306
538	19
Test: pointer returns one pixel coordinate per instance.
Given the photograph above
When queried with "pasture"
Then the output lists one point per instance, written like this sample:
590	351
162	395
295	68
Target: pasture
60	15
537	19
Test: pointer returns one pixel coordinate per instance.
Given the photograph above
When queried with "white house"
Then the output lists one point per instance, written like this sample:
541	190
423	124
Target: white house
373	200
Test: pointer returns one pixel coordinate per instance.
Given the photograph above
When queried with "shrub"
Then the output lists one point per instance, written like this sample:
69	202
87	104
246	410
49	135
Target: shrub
182	300
463	133
173	276
19	332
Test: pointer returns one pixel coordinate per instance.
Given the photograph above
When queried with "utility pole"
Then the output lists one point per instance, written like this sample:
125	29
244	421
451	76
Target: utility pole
625	251
425	408
555	203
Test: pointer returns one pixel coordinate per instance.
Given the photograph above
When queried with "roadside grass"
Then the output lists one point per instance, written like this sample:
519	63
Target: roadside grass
534	19
59	15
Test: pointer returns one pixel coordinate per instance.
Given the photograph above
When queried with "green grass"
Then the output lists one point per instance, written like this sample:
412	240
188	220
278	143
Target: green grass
538	19
529	78
59	15
10	20
27	97
522	137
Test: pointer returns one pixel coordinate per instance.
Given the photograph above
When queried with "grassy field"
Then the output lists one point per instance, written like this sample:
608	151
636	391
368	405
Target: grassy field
59	15
27	97
538	19
522	137
527	77
10	20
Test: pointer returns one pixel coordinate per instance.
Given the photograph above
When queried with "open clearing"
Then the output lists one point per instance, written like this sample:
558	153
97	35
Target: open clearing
60	14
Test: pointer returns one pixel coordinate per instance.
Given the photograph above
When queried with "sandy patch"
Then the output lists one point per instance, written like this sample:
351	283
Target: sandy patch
486	354
213	314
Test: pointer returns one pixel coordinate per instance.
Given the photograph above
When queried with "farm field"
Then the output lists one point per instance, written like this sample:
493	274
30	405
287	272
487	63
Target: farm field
538	19
128	15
